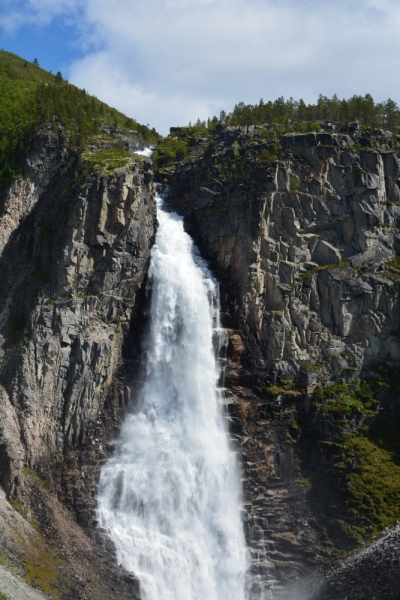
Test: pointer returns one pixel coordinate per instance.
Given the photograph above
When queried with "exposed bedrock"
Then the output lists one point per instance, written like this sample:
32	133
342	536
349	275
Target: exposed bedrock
272	238
75	255
305	248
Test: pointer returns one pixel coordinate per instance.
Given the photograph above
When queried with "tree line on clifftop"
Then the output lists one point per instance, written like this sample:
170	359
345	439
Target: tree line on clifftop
296	115
277	118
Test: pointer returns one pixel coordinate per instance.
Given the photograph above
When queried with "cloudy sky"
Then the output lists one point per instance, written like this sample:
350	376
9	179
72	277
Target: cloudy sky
168	62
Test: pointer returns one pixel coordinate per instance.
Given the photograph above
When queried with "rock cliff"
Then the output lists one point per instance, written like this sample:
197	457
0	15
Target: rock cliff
75	249
303	234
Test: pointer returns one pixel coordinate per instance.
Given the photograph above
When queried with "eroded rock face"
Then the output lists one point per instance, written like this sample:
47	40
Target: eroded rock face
305	250
75	255
41	166
272	246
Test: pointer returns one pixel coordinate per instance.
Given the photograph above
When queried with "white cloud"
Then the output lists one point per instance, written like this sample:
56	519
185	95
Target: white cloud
166	62
16	13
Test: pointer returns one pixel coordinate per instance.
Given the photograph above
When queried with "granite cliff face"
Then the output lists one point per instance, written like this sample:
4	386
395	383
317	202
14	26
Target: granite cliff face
302	232
293	241
75	249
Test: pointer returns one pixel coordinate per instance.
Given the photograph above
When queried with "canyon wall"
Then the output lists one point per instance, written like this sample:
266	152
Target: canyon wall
75	250
303	234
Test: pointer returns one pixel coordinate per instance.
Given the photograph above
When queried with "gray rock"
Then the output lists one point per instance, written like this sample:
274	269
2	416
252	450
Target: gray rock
326	254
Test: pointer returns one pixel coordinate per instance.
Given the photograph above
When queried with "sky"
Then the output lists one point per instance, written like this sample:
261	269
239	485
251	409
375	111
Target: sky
170	62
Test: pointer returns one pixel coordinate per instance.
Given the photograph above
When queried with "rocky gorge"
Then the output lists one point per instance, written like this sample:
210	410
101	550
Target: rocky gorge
301	232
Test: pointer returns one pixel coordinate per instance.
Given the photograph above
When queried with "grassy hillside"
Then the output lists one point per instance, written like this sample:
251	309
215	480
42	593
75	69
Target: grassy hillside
31	98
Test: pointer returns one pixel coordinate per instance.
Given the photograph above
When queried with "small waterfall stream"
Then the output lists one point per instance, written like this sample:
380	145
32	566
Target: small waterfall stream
170	496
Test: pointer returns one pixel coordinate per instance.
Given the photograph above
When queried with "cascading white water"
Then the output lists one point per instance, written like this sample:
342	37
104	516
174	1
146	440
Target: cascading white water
170	496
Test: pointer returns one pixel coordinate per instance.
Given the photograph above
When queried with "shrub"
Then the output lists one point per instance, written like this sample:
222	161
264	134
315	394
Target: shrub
294	183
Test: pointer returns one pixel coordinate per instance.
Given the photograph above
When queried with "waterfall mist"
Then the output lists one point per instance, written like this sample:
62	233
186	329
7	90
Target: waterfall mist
170	496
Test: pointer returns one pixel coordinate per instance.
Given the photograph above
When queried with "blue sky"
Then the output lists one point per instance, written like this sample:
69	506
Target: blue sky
53	45
168	62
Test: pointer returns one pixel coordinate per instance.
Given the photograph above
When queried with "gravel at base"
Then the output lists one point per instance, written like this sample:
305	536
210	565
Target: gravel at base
16	589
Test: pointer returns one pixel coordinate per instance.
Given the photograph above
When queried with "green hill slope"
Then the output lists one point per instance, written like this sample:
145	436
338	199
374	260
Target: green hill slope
31	98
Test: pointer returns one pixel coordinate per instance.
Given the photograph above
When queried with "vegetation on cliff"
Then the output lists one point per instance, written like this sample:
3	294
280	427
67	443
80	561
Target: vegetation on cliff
353	426
358	115
31	99
299	116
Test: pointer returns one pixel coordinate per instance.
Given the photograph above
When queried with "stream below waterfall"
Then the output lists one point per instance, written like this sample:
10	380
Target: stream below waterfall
170	497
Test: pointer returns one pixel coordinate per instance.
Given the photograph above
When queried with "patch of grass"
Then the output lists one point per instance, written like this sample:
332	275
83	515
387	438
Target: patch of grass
357	147
347	398
312	367
372	487
394	263
294	183
316	270
106	161
16	504
286	387
3	596
43	566
267	158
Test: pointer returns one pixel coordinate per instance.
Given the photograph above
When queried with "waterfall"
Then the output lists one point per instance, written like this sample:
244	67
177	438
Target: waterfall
169	497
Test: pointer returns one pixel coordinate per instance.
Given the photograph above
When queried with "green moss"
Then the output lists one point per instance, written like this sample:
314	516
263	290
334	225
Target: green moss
357	147
347	398
312	367
372	488
303	481
3	596
268	158
286	387
294	183
394	263
43	567
358	487
106	161
16	505
289	438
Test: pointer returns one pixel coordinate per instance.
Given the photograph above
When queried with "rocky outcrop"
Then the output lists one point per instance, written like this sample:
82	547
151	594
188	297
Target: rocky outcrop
302	233
273	238
75	254
373	573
